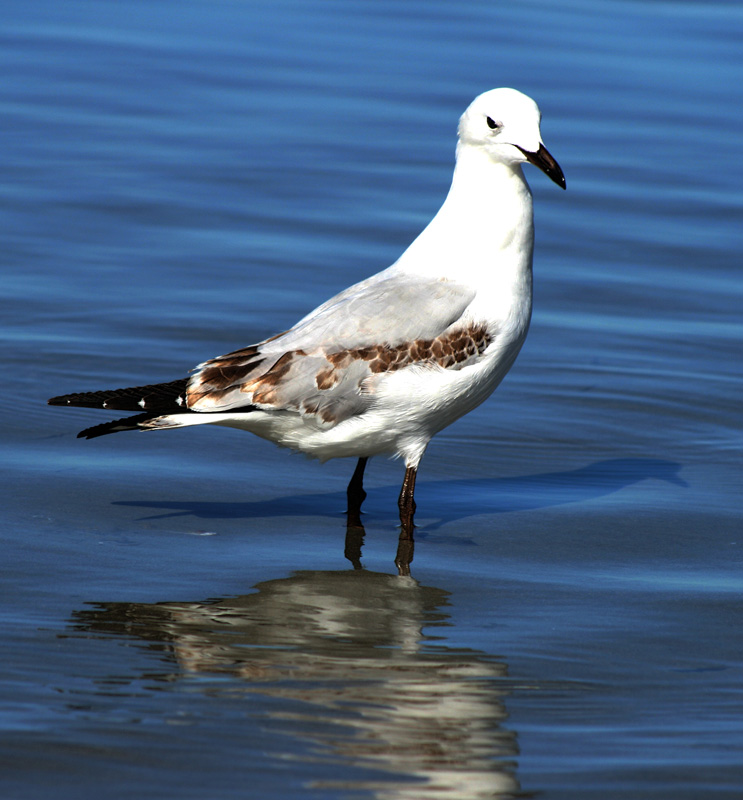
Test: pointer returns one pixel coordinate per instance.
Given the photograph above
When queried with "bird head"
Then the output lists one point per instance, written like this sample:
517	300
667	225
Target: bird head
505	124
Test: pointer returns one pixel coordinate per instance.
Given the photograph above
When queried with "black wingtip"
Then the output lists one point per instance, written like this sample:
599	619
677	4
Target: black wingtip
164	398
115	426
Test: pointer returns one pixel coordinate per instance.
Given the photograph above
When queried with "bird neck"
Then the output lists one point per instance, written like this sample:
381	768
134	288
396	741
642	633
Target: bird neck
485	222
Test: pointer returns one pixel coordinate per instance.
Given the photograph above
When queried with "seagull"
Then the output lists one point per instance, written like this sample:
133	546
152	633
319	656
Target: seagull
383	366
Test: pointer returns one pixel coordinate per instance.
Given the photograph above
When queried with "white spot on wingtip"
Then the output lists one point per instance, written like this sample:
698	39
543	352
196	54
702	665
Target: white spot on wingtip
141	403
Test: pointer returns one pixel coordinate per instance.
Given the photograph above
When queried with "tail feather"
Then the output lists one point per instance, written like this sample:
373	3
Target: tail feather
163	405
158	398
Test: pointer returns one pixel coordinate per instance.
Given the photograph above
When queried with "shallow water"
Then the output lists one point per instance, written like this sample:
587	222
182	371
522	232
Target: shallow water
181	616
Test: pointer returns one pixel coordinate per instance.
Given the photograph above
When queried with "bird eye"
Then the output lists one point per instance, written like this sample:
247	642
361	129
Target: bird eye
492	124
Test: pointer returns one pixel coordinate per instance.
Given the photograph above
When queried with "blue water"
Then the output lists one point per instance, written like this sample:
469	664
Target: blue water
179	617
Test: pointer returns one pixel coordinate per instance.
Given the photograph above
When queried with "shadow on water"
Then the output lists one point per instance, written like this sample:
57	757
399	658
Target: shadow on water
449	500
367	686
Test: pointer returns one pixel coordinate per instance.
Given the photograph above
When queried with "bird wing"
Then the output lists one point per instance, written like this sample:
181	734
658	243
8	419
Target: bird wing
326	364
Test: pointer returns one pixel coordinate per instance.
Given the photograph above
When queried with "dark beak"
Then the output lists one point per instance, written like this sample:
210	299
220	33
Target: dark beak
546	163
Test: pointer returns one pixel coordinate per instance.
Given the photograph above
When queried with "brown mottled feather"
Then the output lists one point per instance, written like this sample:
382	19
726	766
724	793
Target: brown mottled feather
329	386
444	351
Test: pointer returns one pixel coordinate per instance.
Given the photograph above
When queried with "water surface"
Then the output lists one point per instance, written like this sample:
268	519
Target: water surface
181	613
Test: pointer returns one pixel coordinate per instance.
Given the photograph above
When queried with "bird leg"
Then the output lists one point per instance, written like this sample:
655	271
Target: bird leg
406	504
356	495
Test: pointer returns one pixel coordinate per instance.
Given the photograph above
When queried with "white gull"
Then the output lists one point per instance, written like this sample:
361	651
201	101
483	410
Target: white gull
389	362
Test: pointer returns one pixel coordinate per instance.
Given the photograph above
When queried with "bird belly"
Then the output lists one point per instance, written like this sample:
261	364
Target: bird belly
409	406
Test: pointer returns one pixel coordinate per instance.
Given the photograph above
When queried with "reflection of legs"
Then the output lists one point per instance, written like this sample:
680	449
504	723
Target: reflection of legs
406	504
354	543
356	494
355	530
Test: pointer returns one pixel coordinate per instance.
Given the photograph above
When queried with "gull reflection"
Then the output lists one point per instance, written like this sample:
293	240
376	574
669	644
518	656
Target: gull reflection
371	689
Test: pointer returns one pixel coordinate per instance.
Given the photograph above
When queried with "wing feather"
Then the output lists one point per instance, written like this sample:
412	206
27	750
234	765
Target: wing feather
322	367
